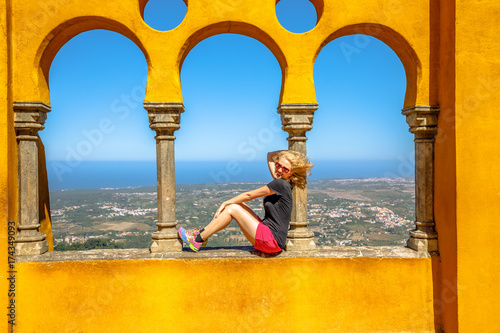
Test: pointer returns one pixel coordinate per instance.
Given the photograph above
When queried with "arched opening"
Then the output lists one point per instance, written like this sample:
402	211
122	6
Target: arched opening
65	32
97	141
363	151
231	86
398	45
239	28
163	15
298	16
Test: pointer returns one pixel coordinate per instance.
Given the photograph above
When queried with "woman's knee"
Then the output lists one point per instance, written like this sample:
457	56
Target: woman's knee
233	208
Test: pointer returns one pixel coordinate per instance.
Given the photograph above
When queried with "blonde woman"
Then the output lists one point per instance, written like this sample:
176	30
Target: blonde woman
288	169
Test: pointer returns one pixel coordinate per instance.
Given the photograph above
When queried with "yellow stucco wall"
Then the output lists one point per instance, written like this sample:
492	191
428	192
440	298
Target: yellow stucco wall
478	164
227	295
450	52
445	171
4	158
51	25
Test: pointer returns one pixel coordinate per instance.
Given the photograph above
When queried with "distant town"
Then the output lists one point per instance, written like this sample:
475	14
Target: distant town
341	212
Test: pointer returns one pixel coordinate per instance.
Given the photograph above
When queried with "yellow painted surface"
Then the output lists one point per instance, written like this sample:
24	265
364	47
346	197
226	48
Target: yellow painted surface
450	61
478	164
227	295
4	160
445	291
402	25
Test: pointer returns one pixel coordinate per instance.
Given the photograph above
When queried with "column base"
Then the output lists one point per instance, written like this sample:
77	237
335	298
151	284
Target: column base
31	248
300	238
300	244
423	244
166	245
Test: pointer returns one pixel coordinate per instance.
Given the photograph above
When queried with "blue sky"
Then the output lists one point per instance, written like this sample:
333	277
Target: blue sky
231	86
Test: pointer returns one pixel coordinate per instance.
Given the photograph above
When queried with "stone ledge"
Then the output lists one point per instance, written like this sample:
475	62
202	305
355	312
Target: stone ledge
238	252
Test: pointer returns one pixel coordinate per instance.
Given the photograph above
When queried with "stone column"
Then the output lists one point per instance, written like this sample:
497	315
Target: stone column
164	119
423	124
29	118
297	120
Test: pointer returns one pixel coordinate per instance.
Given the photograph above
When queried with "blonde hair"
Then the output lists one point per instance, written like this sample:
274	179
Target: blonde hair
301	166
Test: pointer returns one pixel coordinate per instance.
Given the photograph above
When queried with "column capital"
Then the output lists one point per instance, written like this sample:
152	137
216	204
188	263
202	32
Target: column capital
297	119
422	120
29	118
164	118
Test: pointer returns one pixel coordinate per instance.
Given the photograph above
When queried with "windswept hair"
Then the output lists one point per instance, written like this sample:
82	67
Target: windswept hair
301	166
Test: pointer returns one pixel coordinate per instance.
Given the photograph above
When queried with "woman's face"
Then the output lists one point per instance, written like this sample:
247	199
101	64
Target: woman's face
283	168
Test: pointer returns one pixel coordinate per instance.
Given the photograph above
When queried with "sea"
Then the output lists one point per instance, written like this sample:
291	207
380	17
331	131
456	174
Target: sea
64	175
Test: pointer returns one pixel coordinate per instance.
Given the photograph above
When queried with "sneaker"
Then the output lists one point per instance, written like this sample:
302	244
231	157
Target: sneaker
195	232
190	239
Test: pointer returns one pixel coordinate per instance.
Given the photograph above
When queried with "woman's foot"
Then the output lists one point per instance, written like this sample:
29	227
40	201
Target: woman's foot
196	232
189	238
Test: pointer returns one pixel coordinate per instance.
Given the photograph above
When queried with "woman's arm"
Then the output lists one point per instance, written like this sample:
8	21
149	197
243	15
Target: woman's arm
270	162
246	196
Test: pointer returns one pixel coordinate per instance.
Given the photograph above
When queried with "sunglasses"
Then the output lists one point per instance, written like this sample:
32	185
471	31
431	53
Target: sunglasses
283	168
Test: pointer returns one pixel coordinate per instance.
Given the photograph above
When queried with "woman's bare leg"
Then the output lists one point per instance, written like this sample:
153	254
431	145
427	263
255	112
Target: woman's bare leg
242	214
246	207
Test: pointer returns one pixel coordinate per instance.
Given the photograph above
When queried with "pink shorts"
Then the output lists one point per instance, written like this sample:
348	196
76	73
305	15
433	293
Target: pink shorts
265	241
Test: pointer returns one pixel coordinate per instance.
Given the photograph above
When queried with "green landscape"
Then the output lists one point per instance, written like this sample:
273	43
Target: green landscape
341	212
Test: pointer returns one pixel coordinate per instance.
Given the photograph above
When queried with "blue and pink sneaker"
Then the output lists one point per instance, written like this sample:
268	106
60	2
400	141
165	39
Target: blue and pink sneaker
195	233
190	238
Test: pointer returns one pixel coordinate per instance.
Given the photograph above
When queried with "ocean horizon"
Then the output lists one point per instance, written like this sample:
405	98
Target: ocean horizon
118	174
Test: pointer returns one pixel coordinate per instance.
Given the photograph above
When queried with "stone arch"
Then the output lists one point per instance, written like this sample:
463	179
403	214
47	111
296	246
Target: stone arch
239	28
30	117
59	36
397	43
422	120
319	5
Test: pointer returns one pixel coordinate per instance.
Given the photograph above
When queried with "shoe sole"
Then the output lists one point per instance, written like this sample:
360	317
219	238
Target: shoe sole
193	247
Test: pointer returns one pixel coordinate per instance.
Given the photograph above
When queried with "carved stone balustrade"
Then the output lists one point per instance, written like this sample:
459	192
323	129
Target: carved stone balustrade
423	124
164	119
297	120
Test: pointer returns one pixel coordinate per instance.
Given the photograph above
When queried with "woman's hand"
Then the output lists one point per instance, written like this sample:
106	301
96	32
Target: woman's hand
270	162
221	208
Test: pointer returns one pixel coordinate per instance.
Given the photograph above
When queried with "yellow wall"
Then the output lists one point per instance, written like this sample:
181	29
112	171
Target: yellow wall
4	171
445	172
450	52
478	164
36	43
227	295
